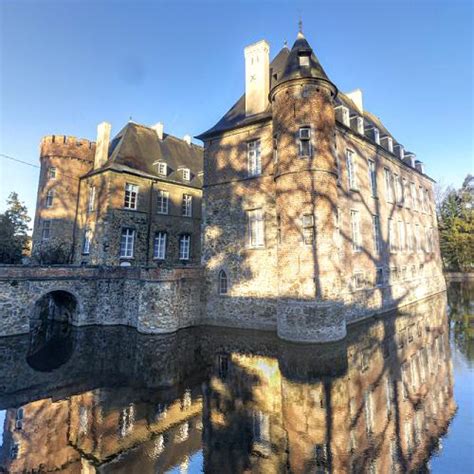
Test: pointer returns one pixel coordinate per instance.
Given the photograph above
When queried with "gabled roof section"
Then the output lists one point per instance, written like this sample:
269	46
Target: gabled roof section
137	149
236	117
294	70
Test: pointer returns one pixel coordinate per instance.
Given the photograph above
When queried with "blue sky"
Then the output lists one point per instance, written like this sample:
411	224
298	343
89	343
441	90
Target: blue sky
68	65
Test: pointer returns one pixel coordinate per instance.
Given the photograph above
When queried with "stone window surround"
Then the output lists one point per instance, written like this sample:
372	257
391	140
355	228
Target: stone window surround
254	157
128	250
160	243
131	196
223	282
258	242
185	247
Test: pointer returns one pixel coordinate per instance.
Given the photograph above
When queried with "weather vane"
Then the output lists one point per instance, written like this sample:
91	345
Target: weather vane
300	26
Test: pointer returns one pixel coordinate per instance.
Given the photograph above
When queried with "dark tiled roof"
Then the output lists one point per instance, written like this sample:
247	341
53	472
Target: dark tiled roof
137	148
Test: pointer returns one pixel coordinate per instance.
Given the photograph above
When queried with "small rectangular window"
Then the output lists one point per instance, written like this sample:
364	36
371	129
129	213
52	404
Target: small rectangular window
255	228
414	200
376	233
50	198
351	169
159	246
398	189
46	231
372	178
184	247
86	246
304	142
308	229
187	205
388	184
162	203
131	196
127	243
379	276
377	136
91	202
52	172
254	158
186	172
162	168
355	230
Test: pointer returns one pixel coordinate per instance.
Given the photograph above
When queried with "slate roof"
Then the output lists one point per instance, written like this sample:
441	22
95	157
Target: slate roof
137	149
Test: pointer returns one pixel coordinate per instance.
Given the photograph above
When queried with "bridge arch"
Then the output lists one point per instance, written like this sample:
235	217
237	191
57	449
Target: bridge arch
56	304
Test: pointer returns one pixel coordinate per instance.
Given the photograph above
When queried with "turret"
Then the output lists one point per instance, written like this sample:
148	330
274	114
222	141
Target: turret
306	193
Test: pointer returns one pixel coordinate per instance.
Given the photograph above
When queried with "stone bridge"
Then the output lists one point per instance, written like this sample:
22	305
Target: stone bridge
151	300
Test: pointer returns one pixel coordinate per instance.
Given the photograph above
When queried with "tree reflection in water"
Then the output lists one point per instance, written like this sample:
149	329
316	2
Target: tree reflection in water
228	401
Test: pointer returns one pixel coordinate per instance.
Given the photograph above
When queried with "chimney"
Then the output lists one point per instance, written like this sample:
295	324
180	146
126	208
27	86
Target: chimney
158	128
102	144
356	97
187	139
257	77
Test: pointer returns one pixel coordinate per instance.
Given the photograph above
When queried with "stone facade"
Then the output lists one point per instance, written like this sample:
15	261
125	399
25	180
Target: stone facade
81	197
349	225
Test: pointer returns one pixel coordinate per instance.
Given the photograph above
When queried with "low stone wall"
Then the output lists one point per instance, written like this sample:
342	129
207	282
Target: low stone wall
151	300
458	276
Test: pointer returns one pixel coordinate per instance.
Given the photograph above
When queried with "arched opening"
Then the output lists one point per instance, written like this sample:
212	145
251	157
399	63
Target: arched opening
223	283
50	331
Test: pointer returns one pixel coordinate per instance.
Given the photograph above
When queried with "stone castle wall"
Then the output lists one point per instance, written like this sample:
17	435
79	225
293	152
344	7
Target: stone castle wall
153	301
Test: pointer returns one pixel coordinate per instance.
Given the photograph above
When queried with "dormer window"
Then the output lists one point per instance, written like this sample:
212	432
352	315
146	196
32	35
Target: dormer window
186	174
360	125
377	136
345	116
162	168
304	60
387	142
304	142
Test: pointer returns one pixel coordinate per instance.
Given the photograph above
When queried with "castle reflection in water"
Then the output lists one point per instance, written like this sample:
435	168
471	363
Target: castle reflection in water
113	400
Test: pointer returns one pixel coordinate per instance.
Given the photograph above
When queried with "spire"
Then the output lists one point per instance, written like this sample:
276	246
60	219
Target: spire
300	28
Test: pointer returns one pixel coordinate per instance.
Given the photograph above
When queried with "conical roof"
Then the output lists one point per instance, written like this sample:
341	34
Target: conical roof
297	68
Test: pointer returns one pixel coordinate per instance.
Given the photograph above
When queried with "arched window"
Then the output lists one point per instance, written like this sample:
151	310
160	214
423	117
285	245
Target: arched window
223	283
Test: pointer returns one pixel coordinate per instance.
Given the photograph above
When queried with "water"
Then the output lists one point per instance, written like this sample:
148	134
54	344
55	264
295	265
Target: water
395	396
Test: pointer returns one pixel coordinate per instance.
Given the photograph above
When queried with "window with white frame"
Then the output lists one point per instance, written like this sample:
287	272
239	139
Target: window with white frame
52	172
376	233
377	136
355	230
372	178
351	169
360	125
392	242
345	116
223	283
404	193
131	196
401	236
388	184
414	199
46	230
162	168
184	247
50	198
187	205
254	158
127	242
398	188
186	174
256	228
159	245
86	246
162	202
304	142
91	200
308	229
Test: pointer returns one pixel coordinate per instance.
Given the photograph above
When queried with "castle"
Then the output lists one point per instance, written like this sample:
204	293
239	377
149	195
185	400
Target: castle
314	216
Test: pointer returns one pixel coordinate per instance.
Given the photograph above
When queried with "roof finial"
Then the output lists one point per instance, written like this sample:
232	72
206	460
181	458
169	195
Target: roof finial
285	44
300	26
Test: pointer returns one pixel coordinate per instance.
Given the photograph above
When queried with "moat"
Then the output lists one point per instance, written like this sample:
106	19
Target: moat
394	396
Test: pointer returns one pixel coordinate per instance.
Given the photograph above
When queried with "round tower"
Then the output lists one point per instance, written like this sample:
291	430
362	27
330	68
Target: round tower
306	199
64	159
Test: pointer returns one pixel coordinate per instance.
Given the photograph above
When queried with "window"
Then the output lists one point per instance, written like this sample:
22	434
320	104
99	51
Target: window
376	233
418	238
223	283
162	168
186	174
131	196
391	236
127	419
51	172
338	169
14	450
275	148
86	246
427	202
421	200
187	205
184	247
308	229
398	189
159	246
351	169
127	242
413	196
19	419
369	412
255	228
409	238
345	116
260	427
254	158
162	202
388	185
360	125
379	276
304	141
303	60
355	228
401	236
377	136
372	178
46	232
404	193
49	198
91	203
